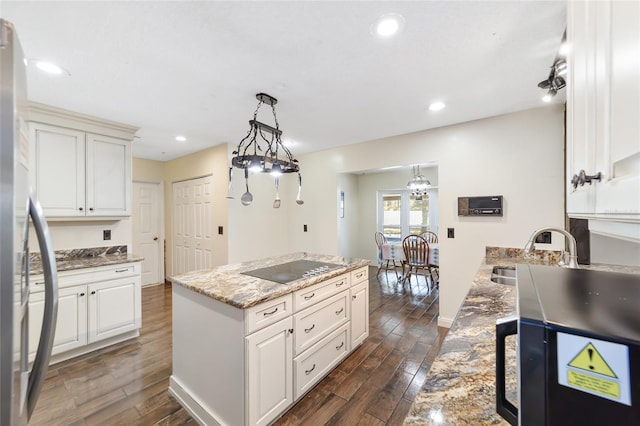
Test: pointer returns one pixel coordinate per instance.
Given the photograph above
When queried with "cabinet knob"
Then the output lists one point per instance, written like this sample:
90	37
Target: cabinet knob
80	208
155	238
90	209
81	294
93	292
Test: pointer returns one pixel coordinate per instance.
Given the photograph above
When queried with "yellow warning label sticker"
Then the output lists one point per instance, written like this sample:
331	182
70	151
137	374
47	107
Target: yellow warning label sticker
600	386
594	366
589	359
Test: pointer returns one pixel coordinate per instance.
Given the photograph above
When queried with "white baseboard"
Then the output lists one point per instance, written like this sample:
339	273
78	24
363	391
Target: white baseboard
195	409
445	322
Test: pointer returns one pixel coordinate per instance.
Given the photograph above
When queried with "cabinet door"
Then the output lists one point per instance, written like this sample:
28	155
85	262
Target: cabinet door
269	372
114	308
58	169
108	176
619	193
71	325
359	313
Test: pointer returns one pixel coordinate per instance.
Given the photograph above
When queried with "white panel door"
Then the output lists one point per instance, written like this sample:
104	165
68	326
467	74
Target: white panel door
146	230
192	226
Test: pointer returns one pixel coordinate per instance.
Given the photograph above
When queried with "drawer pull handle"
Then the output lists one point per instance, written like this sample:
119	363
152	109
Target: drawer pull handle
339	346
39	283
306	330
360	275
271	313
122	270
309	371
339	311
309	297
340	283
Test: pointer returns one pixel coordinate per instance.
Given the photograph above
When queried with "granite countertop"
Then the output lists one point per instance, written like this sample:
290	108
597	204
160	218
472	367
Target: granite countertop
68	260
460	386
227	284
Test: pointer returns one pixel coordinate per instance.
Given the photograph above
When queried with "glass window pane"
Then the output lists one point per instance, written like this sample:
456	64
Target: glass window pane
391	206
418	215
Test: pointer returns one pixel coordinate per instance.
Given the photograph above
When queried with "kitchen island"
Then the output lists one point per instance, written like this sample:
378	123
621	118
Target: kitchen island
460	387
246	348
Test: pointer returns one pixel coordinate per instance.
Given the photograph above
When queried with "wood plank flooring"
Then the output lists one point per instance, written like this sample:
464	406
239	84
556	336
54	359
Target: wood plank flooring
127	383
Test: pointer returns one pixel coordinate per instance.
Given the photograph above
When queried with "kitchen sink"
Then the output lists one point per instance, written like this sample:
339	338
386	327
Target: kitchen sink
503	275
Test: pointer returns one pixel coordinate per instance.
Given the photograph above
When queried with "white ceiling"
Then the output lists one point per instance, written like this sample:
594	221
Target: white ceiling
193	68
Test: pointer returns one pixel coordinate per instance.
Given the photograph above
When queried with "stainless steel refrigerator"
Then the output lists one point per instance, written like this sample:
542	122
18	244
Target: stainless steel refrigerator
20	382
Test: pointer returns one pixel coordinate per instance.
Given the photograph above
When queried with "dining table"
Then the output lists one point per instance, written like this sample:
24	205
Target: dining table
392	250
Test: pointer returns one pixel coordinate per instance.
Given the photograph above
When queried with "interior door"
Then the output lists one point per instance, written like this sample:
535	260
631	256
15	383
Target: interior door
146	230
192	225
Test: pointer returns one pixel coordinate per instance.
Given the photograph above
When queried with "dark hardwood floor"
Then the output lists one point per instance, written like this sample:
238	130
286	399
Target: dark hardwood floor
127	383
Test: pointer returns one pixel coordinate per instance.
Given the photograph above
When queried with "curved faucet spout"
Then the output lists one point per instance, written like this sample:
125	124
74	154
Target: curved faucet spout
573	247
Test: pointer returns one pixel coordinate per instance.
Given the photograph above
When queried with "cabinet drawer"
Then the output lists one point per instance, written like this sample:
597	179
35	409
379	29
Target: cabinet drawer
320	359
359	275
311	295
87	275
312	324
267	313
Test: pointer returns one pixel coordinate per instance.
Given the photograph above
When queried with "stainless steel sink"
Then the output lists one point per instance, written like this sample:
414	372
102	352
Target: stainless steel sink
503	275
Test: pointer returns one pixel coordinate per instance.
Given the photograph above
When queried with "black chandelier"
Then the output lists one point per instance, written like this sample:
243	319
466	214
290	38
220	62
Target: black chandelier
262	149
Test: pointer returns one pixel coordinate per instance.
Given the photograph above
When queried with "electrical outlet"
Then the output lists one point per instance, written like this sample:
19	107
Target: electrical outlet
106	234
220	230
450	233
544	238
305	228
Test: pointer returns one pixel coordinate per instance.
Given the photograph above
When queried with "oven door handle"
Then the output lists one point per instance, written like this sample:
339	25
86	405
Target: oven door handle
504	327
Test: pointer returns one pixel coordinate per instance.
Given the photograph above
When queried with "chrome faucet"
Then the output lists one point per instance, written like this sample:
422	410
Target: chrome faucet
573	250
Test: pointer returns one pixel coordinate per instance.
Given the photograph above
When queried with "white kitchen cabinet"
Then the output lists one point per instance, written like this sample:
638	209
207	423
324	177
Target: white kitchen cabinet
96	307
247	366
81	166
359	313
114	308
71	325
603	106
270	371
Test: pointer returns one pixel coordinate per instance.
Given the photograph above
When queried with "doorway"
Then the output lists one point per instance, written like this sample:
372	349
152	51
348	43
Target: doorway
148	236
192	225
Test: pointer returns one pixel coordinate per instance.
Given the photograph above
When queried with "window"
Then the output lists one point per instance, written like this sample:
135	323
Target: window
400	215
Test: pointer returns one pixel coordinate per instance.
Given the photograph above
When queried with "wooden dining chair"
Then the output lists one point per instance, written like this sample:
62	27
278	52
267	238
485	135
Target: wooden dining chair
380	240
430	236
416	253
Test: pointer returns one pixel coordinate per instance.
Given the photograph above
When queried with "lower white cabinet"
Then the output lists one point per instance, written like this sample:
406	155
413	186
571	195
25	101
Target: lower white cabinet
93	307
270	371
236	366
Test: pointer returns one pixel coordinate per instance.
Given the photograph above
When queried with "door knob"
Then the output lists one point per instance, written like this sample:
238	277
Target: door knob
155	238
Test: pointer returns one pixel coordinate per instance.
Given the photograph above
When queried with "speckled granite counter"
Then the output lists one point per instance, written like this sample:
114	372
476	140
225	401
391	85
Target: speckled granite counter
228	285
460	387
68	260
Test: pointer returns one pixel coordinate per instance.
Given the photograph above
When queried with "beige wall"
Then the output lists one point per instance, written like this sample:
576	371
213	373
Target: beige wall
517	155
147	170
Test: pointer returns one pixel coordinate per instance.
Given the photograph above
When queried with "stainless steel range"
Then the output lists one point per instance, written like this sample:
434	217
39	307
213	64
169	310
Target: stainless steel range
292	271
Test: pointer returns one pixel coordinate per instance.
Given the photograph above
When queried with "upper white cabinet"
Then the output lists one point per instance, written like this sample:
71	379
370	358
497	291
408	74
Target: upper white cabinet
603	110
81	166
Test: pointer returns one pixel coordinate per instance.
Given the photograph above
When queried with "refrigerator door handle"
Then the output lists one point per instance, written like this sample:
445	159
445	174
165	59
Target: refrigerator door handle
504	327
43	354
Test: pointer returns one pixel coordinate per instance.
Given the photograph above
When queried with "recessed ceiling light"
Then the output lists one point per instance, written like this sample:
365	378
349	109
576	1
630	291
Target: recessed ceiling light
388	25
436	106
181	138
48	67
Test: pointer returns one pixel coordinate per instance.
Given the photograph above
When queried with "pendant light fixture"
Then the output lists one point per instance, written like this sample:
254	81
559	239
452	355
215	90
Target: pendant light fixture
262	150
418	185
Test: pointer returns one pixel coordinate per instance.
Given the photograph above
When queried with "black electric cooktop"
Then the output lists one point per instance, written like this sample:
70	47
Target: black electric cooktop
292	271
